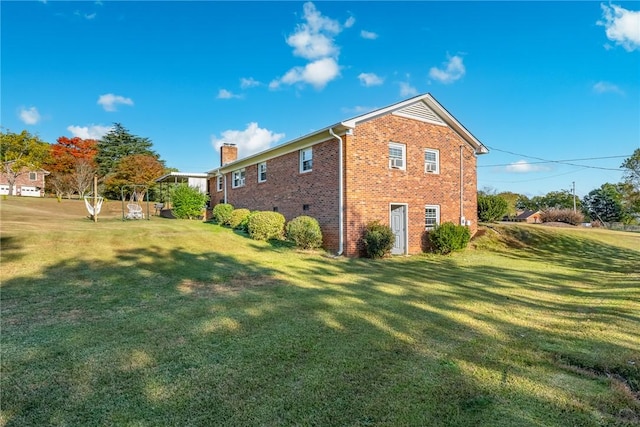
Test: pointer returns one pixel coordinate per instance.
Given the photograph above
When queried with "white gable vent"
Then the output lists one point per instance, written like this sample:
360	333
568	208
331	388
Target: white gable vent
420	111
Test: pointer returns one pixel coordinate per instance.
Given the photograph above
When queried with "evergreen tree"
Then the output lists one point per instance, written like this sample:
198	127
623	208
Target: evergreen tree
605	203
118	144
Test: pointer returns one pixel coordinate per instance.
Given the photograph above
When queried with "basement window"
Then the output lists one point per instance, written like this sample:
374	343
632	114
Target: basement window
431	216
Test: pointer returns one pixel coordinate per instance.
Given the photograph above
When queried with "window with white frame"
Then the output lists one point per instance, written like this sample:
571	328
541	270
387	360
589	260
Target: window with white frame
306	160
262	172
237	178
431	161
397	156
219	183
33	176
431	216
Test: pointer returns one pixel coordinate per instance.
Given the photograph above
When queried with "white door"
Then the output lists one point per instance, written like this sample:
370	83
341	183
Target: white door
399	227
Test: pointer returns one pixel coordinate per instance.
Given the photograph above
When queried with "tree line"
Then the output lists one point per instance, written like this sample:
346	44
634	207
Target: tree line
120	159
617	202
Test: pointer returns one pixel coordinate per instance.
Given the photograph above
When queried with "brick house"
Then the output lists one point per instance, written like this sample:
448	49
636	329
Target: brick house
28	182
410	165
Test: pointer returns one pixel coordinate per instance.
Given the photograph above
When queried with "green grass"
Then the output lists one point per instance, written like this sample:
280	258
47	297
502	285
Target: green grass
168	322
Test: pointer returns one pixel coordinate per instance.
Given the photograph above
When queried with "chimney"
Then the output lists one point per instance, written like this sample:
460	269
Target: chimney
228	153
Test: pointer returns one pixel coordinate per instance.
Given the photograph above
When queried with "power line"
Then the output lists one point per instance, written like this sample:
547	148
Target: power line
557	161
563	162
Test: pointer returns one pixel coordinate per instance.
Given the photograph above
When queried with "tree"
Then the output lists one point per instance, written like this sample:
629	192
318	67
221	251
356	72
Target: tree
512	200
631	177
605	203
137	169
117	144
20	154
82	176
67	152
491	207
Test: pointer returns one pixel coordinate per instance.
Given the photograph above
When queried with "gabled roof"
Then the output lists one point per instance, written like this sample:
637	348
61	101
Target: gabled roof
526	214
422	107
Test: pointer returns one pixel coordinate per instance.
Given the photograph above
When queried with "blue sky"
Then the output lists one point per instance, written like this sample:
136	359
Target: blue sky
534	81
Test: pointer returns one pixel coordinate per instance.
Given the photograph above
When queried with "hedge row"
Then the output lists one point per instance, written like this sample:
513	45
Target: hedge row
304	230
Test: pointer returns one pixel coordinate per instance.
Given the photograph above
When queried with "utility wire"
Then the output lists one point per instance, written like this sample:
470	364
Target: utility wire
557	161
563	162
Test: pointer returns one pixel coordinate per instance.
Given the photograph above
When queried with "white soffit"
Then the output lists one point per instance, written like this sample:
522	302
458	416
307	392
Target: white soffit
420	111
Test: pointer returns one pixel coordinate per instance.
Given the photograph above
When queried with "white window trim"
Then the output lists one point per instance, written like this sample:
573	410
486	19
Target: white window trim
437	153
392	162
260	172
35	176
242	180
437	209
304	150
219	183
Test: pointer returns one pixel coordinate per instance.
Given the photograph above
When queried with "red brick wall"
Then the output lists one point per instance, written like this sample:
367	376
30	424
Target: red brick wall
371	186
23	180
288	190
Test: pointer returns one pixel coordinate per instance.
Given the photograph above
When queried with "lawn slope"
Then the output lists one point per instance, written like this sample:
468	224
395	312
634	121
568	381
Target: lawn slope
168	322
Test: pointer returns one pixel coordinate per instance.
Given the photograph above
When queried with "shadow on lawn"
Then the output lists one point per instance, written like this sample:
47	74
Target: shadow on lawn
171	337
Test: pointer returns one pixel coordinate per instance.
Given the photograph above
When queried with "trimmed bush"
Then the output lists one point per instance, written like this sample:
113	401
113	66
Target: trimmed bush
222	212
188	202
239	218
562	215
378	239
305	232
448	237
266	225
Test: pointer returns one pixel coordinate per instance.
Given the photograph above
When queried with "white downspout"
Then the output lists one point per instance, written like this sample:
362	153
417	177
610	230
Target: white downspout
340	194
461	185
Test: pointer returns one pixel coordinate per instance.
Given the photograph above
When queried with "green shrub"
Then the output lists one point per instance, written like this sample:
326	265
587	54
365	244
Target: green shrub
305	232
378	239
239	218
449	237
188	202
491	208
222	212
266	225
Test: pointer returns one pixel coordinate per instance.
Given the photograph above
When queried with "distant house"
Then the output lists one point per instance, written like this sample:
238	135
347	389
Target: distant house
529	216
28	182
410	165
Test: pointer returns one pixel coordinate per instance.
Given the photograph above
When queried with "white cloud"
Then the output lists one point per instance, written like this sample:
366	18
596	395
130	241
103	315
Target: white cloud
89	132
368	35
406	90
606	87
370	79
317	74
314	40
249	141
110	101
522	166
90	16
225	94
246	83
622	26
452	71
30	116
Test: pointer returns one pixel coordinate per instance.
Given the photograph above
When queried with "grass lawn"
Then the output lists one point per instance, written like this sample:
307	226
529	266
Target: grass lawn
185	323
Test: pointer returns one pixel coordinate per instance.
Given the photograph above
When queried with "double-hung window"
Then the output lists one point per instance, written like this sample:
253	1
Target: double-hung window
431	216
306	160
33	176
237	179
397	156
262	172
431	161
219	183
